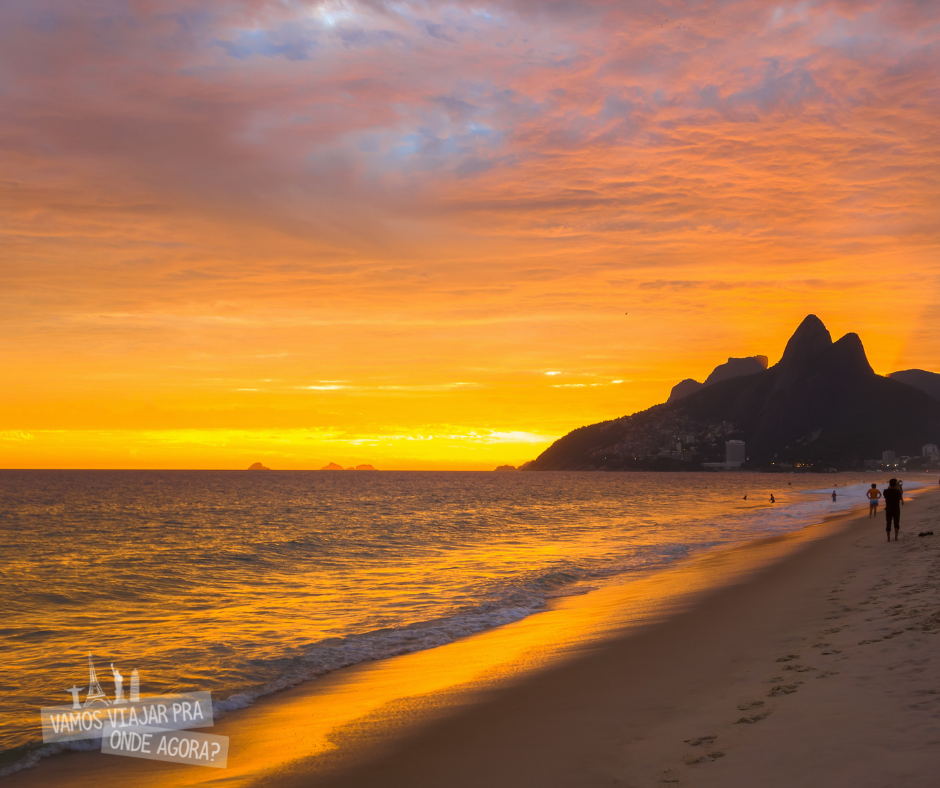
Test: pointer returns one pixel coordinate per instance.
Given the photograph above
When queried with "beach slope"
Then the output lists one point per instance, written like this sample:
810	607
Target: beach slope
807	659
821	670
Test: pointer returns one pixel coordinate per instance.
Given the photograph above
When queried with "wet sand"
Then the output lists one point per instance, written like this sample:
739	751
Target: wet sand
809	659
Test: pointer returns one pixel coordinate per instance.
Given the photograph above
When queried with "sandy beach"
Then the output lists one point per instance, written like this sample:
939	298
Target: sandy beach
808	659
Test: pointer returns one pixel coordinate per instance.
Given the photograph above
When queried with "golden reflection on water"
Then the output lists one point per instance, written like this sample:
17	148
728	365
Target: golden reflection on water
348	713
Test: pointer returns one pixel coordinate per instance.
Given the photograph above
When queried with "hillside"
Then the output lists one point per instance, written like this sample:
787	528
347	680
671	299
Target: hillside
928	382
820	405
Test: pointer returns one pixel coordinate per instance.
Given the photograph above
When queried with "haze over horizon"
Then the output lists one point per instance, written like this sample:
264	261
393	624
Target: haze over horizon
407	234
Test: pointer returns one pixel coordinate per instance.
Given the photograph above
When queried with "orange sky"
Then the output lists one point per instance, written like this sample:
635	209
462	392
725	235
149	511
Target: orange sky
407	234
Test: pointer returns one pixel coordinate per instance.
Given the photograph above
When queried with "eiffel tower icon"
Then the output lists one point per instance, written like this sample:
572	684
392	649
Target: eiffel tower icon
95	693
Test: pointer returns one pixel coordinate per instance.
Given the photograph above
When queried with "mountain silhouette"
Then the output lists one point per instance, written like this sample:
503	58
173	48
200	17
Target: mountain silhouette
928	382
732	368
821	405
683	388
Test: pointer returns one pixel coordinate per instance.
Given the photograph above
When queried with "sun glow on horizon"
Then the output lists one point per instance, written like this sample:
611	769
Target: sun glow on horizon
441	236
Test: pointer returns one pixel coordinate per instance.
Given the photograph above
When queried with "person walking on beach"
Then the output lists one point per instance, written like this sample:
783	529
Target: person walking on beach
833	496
894	500
873	495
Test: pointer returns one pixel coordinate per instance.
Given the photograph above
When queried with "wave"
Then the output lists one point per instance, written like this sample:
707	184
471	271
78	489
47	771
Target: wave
525	596
327	656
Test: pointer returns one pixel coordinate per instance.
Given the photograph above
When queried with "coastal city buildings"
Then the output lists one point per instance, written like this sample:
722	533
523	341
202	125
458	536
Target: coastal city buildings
735	455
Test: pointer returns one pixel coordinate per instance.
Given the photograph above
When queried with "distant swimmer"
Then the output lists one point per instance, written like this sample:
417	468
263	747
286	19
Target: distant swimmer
894	500
745	497
833	495
772	498
873	496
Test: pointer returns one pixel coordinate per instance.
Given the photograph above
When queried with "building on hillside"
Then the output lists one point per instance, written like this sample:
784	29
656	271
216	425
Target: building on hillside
735	455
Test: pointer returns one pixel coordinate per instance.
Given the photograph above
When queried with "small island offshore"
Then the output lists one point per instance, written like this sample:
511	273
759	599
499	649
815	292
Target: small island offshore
821	407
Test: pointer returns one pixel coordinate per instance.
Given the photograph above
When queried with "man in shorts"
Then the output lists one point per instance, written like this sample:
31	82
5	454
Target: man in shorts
894	500
873	495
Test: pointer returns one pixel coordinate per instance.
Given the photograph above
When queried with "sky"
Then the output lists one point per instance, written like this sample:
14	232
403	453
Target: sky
441	235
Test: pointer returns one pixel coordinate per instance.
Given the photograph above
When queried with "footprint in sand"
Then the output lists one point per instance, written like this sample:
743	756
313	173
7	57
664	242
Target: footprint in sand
692	760
820	645
753	718
751	705
782	689
833	651
788	657
700	740
827	673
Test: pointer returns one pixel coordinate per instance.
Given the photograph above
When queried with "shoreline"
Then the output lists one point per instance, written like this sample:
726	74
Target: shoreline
727	693
366	711
432	633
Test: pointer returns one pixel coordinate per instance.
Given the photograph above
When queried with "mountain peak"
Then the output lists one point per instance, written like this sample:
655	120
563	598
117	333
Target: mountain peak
736	367
848	356
811	338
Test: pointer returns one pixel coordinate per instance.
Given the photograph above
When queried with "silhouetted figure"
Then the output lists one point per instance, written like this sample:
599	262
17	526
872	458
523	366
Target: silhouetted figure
894	500
772	498
873	496
745	497
833	496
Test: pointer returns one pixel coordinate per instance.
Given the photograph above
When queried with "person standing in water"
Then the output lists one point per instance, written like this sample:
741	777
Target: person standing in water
833	496
873	495
772	498
894	500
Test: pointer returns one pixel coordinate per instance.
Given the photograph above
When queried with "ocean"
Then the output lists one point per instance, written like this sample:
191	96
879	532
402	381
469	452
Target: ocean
244	583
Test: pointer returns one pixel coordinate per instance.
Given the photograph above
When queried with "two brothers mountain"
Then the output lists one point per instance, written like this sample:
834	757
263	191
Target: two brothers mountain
821	405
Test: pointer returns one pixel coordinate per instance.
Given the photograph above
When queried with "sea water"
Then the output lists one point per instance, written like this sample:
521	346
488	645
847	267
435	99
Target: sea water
244	583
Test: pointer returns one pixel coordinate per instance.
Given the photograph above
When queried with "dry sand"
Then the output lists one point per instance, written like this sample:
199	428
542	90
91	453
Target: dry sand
823	670
819	669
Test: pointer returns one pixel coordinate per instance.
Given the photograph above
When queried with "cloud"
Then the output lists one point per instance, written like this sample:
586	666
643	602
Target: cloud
393	193
16	435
